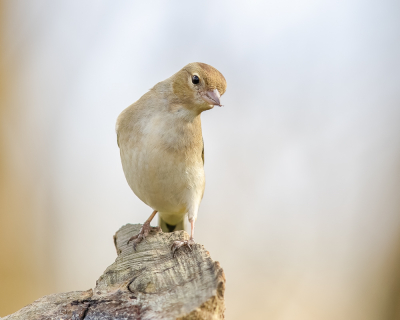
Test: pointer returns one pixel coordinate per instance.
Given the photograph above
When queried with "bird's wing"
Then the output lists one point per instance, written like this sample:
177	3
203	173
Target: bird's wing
202	152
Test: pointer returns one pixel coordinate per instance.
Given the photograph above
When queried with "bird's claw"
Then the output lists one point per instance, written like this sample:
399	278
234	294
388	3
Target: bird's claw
143	233
178	244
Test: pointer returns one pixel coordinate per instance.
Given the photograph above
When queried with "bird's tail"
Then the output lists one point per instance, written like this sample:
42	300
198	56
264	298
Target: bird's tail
165	227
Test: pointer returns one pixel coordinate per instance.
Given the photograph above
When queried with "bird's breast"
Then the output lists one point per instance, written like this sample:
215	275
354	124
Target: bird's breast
163	165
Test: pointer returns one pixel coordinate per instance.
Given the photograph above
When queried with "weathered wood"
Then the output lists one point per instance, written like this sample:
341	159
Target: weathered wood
147	284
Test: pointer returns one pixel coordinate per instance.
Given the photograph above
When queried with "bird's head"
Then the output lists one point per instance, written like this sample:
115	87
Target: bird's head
199	86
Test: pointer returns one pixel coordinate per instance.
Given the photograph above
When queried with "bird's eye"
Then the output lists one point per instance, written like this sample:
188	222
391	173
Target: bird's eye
195	79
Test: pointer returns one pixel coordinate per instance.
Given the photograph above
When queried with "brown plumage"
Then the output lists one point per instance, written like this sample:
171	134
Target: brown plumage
161	145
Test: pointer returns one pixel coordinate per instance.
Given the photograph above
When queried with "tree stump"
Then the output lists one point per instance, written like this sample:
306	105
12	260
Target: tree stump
147	284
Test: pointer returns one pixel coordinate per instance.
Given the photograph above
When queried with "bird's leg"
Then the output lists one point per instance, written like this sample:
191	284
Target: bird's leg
187	243
144	231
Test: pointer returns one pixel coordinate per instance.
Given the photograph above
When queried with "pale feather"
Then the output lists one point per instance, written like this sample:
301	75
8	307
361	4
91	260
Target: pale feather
161	152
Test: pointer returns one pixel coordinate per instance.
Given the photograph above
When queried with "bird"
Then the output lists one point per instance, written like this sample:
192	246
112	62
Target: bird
162	147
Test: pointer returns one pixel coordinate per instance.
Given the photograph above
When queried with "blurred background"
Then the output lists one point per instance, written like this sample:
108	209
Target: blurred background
302	203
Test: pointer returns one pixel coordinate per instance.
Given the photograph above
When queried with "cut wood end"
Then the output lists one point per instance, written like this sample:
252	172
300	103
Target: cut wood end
147	284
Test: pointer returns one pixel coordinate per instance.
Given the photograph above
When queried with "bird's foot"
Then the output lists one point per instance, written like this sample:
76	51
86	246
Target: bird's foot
143	233
178	244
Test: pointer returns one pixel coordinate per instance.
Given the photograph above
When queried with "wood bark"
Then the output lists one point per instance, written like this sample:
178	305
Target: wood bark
147	284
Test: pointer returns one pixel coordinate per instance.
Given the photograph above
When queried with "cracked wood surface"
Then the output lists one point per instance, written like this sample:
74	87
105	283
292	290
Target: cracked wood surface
147	284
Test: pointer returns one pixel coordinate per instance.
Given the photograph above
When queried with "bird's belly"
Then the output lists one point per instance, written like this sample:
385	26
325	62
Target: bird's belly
167	182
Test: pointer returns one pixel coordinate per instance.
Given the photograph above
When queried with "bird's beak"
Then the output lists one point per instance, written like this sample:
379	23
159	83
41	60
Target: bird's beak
212	97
